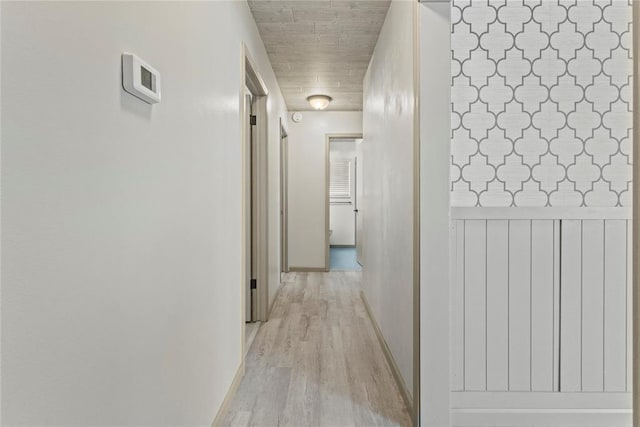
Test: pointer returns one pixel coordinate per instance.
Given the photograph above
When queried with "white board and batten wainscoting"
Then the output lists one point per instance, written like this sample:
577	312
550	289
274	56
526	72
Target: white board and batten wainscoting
541	296
541	316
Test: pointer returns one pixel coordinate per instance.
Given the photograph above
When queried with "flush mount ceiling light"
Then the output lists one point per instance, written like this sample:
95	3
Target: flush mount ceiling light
319	102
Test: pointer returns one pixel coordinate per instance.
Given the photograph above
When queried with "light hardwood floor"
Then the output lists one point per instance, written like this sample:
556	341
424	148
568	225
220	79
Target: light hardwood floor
250	332
317	361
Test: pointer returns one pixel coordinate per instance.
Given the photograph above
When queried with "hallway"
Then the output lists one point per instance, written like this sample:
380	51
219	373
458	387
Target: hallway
318	359
184	184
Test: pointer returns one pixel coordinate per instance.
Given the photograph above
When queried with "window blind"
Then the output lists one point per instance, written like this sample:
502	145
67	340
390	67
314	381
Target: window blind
340	179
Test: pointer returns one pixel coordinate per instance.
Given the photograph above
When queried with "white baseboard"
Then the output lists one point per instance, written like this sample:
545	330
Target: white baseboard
222	412
308	269
540	418
540	409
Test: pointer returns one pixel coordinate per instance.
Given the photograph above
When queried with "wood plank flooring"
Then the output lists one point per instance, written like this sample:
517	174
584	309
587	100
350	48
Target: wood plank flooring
317	361
250	332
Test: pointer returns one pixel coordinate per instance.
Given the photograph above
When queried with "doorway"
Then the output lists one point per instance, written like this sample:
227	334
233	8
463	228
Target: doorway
284	201
254	256
344	217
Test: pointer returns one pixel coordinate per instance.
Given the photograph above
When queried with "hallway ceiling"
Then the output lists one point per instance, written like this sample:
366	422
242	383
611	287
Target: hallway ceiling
320	46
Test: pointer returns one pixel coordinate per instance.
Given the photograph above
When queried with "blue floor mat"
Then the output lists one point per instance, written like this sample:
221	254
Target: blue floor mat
343	259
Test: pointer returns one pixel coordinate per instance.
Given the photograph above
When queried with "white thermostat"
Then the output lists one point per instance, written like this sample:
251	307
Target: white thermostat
140	79
296	117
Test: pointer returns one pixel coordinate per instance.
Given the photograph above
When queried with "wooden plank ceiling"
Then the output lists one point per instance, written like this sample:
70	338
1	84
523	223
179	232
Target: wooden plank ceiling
320	47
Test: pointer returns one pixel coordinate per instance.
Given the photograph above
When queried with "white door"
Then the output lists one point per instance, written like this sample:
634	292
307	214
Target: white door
283	204
357	206
253	170
248	207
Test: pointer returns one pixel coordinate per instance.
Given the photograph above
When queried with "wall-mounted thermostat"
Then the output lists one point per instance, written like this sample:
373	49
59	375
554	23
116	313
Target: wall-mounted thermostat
140	79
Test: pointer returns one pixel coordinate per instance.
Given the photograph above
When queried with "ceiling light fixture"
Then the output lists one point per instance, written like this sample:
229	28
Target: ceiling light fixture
319	102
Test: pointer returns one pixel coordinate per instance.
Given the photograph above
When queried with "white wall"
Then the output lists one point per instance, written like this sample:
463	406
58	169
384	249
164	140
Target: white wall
388	200
121	221
434	212
307	182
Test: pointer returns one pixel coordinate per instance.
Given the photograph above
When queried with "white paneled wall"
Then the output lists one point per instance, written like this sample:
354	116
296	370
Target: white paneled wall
540	306
506	306
595	312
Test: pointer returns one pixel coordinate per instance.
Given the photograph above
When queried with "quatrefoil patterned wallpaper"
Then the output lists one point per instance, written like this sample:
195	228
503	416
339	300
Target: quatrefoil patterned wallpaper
541	103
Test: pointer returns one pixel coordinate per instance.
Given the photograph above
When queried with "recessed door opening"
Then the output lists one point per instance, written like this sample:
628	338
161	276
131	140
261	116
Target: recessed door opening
343	207
254	177
248	201
284	201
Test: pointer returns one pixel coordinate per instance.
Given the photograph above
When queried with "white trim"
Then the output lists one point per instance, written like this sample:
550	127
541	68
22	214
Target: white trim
327	200
636	210
284	200
541	213
520	400
514	409
250	78
539	418
416	398
434	112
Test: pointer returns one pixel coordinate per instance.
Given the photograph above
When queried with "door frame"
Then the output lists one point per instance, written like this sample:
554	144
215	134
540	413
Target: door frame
247	197
358	203
250	78
284	199
636	213
327	174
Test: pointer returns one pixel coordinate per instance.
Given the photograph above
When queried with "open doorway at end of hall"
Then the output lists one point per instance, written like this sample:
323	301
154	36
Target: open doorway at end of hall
343	203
